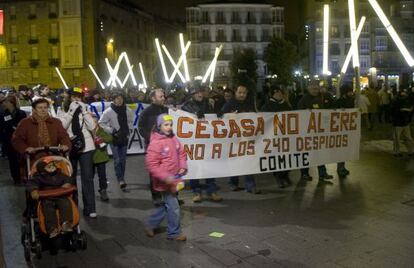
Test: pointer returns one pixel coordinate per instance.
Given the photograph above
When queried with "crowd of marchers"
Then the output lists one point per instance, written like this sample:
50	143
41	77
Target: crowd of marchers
63	118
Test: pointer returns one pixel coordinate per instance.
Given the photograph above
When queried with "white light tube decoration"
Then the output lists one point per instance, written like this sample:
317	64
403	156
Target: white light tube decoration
97	77
212	66
61	78
164	70
354	39
325	69
130	72
114	71
130	67
349	55
176	67
392	32
184	54
143	75
180	60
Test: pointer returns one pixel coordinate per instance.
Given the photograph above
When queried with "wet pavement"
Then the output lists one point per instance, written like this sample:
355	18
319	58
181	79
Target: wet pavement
365	220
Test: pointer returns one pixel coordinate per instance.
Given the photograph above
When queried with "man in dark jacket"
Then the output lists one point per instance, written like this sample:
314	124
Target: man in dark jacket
146	123
148	117
402	109
277	103
240	104
346	101
200	106
314	100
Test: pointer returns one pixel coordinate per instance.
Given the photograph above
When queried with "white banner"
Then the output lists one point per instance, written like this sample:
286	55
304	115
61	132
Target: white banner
136	143
252	143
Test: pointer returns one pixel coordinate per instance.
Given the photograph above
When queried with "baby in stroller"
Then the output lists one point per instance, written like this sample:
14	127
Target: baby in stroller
56	211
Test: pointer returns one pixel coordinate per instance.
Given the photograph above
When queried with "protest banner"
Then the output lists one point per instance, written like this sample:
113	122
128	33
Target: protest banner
252	143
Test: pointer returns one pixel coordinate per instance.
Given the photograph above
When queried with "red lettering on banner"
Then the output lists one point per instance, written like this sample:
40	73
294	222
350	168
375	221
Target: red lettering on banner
216	134
248	126
334	125
312	123
234	129
260	126
352	122
180	128
199	128
216	151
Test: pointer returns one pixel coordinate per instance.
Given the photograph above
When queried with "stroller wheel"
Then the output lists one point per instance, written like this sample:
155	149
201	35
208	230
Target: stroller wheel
83	241
38	249
27	253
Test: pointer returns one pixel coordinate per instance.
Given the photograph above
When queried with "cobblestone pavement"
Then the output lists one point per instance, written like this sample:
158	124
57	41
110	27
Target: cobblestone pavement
365	220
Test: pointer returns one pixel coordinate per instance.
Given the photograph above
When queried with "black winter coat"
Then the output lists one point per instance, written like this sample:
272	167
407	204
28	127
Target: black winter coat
241	107
199	108
148	119
401	118
273	105
8	124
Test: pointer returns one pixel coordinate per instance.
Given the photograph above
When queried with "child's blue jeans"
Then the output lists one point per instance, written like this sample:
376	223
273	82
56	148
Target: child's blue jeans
169	208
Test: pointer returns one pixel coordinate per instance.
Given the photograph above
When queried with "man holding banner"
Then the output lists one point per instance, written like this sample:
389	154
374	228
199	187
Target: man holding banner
278	103
240	104
314	99
200	106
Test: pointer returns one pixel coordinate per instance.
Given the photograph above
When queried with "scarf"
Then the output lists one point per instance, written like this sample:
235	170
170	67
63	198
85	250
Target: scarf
42	130
122	119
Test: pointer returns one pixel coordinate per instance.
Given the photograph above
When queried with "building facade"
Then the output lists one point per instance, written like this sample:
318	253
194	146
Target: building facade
376	47
235	26
37	36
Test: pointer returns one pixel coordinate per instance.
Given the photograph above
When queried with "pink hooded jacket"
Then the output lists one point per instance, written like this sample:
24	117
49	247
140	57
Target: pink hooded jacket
165	157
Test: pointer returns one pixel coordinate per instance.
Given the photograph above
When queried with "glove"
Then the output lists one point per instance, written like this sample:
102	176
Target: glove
73	106
200	115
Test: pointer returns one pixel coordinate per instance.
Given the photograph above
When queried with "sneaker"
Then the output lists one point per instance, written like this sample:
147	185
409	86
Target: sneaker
326	177
197	198
235	188
306	177
67	227
215	197
55	232
104	195
181	237
343	173
122	185
92	215
149	232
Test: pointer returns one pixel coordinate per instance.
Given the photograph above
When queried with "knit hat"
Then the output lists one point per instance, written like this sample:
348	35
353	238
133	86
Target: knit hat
162	118
44	162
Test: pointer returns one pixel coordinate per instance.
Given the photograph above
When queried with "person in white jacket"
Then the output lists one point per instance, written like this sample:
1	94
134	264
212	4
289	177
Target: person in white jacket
362	102
117	121
79	123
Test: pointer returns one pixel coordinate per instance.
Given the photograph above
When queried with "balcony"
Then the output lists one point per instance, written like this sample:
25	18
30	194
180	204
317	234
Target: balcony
205	39
236	21
34	63
33	40
32	16
54	62
236	39
251	38
221	39
220	21
266	21
53	16
53	40
251	21
266	38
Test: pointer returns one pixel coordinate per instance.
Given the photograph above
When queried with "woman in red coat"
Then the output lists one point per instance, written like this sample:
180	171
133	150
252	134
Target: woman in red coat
40	130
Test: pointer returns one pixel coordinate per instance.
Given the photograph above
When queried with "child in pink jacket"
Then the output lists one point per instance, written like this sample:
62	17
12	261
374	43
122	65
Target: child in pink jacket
166	161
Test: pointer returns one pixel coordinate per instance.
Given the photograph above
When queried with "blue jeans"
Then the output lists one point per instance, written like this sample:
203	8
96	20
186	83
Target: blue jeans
169	208
321	171
119	153
88	188
197	187
249	182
